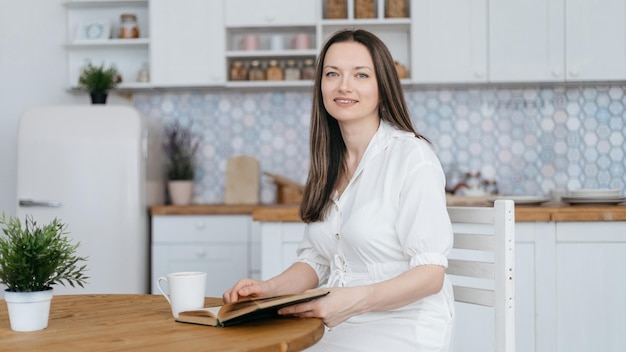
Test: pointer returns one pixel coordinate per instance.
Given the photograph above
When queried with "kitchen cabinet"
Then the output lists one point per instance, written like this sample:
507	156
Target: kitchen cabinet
590	286
449	46
92	36
570	285
187	48
595	40
526	41
219	245
557	40
270	13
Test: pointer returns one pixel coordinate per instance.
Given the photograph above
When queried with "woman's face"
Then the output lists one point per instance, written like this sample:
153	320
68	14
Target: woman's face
349	86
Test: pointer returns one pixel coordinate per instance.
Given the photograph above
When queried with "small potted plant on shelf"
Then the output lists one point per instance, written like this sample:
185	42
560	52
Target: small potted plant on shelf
98	81
33	259
180	146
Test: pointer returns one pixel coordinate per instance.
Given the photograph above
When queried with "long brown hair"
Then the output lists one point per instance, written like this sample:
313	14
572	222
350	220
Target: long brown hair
327	148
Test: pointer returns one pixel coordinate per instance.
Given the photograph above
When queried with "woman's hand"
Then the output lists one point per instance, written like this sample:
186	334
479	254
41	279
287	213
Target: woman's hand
246	288
336	307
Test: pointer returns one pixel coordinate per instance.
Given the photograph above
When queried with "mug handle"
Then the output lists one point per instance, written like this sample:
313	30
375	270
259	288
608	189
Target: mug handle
159	280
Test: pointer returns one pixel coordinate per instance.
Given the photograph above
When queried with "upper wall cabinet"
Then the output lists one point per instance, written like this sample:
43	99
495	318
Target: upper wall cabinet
187	48
95	34
449	41
595	40
247	13
557	40
526	40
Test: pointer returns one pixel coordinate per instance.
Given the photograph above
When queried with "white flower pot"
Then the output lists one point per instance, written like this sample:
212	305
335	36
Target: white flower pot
28	311
180	192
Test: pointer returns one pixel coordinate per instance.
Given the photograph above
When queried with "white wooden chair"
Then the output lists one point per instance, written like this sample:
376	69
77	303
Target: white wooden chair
481	267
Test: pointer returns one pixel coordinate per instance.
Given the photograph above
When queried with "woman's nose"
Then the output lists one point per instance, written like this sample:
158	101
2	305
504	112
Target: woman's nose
345	84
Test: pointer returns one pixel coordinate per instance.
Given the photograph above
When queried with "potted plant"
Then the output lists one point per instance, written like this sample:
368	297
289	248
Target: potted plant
98	81
180	146
33	259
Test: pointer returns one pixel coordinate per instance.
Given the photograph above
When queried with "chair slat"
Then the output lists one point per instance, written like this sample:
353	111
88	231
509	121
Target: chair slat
474	296
470	268
474	242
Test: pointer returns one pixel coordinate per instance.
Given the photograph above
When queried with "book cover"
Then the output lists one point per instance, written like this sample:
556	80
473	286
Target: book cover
246	310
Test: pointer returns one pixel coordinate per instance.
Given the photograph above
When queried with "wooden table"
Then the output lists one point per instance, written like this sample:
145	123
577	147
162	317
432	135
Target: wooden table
144	323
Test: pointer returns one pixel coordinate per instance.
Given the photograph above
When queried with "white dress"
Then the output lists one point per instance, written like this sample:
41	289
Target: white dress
390	218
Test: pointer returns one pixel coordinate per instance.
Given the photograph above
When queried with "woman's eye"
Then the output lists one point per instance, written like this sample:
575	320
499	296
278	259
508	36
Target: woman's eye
331	74
362	75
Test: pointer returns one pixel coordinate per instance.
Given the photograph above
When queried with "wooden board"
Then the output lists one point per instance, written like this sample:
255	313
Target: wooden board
242	180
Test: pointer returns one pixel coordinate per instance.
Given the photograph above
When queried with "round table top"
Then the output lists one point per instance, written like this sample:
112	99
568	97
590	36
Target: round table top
145	323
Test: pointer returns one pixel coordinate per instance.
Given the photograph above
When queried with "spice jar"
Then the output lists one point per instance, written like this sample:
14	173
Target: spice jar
128	26
238	71
256	72
292	72
308	70
274	72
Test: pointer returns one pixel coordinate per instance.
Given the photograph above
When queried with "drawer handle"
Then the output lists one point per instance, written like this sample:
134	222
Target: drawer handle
200	225
201	254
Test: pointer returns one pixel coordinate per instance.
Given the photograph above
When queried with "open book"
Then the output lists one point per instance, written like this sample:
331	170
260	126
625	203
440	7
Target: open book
245	310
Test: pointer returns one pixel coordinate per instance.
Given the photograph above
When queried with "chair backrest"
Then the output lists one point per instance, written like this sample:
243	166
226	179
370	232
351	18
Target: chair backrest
481	265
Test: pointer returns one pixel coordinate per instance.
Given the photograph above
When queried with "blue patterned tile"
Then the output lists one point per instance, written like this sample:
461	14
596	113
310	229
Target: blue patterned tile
530	140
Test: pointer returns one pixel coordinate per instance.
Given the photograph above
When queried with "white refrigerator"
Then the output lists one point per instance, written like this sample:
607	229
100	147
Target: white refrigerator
97	168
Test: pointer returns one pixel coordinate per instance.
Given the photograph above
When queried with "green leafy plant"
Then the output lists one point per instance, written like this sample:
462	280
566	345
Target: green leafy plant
33	258
180	146
98	78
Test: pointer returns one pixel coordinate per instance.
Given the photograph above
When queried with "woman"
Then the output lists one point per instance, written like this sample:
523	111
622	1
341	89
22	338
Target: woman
377	232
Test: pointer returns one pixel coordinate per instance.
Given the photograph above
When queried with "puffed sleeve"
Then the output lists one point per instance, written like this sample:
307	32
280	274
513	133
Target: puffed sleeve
308	255
423	222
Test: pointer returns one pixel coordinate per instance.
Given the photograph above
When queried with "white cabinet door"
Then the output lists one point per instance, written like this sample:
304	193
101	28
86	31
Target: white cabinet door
591	286
216	244
250	13
187	47
526	40
449	41
596	40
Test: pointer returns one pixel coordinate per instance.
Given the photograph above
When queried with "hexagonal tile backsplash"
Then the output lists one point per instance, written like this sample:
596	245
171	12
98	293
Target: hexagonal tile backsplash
530	140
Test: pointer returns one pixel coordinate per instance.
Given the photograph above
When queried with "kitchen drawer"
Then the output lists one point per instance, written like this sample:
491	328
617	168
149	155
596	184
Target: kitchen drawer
224	264
270	13
201	228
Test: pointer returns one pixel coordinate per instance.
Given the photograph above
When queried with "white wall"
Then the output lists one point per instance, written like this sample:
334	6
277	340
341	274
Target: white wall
33	71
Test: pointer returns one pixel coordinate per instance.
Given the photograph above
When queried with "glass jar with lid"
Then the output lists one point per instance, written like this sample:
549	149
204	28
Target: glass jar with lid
292	71
238	71
274	72
128	26
256	71
308	69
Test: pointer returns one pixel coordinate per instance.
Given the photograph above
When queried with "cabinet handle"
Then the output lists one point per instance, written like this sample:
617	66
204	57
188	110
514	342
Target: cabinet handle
556	73
270	19
200	225
201	254
479	74
574	73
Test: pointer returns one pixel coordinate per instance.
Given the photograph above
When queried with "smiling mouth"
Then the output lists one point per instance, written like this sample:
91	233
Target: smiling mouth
345	101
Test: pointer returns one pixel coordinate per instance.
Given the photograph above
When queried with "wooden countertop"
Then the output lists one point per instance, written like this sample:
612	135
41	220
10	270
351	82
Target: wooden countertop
290	212
202	209
550	212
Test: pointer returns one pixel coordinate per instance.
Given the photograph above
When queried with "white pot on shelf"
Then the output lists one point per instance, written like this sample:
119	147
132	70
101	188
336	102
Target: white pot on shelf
181	191
28	311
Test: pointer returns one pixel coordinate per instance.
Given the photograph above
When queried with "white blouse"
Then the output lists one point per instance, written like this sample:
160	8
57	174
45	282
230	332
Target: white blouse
390	218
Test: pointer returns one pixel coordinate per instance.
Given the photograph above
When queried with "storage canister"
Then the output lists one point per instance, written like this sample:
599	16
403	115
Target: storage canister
256	72
274	72
128	26
238	71
292	72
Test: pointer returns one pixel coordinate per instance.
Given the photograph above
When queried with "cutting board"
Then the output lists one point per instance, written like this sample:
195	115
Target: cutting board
242	180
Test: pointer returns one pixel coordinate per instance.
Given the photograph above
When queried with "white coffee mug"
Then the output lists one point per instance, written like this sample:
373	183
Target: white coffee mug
186	290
